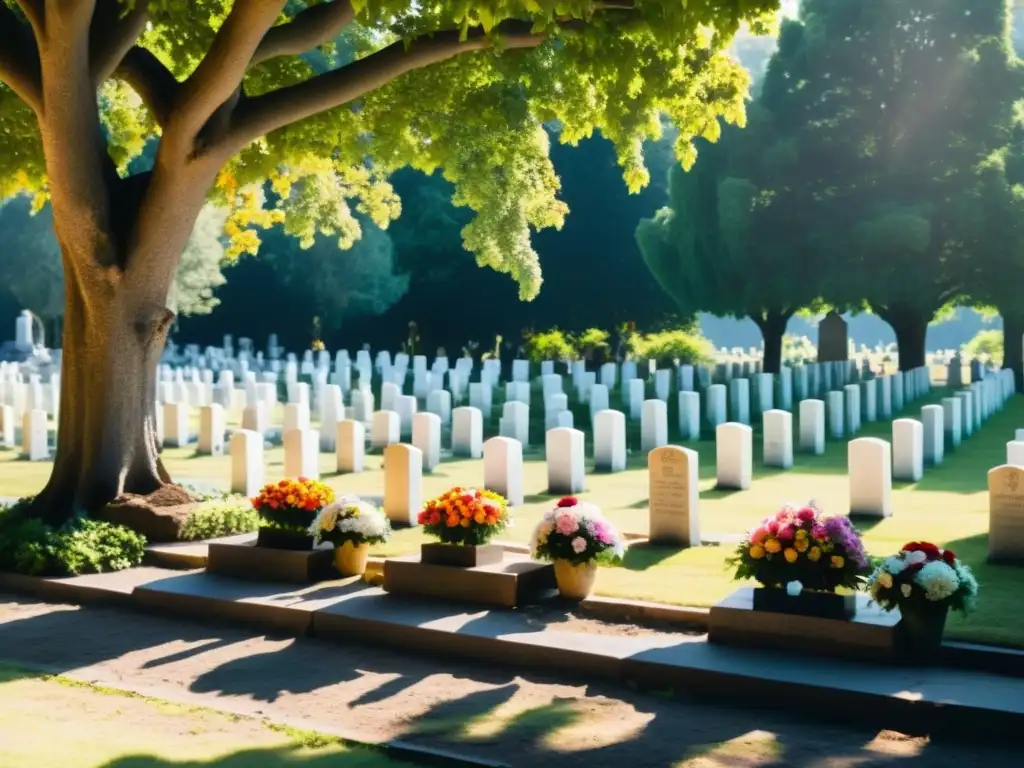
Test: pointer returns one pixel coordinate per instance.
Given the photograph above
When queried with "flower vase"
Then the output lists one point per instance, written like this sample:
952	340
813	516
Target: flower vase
919	632
350	559
575	582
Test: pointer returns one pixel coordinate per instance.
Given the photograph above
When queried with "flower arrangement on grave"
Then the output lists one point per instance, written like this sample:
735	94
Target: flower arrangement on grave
576	537
465	516
352	525
799	546
292	505
925	582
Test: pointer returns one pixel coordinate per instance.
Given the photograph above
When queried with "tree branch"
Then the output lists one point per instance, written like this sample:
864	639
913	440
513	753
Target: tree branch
19	60
312	27
33	10
285	106
154	83
222	69
113	34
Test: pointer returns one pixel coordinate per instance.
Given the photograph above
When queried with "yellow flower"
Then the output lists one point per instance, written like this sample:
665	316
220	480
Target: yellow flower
801	534
814	555
290	499
801	545
465	522
757	552
479	517
885	579
838	561
773	546
791	555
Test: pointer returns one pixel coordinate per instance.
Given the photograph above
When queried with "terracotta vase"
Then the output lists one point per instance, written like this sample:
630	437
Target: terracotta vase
350	558
575	582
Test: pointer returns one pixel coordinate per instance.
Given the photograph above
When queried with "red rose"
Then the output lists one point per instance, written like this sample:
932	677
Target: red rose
912	546
568	501
930	550
806	514
948	557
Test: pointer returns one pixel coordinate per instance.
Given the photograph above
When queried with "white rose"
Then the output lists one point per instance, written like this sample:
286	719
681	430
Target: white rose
916	557
906	589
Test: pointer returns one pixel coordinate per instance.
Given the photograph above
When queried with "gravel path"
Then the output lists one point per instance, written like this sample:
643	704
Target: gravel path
486	712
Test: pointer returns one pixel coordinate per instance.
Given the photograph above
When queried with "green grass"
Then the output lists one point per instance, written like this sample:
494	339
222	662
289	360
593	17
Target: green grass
949	506
52	720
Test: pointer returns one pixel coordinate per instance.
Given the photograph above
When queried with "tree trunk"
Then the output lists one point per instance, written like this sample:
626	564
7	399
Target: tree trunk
773	328
910	325
1013	338
106	438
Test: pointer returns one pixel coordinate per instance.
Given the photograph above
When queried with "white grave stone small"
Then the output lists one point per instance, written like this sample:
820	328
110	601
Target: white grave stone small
332	410
836	415
951	415
635	398
246	462
884	397
715	406
1015	453
739	400
673	496
765	392
932	418
564	449
351	445
812	426
851	393
907	450
212	424
869	395
403	483
467	432
405	407
653	425
734	456
439	402
384	430
301	454
426	435
254	418
296	416
610	441
175	425
516	420
778	439
503	468
689	415
870	468
34	438
7	427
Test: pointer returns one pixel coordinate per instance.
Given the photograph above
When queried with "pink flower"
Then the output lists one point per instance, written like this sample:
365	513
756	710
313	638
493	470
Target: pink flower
566	524
818	531
773	528
579	544
759	535
806	514
787	533
604	533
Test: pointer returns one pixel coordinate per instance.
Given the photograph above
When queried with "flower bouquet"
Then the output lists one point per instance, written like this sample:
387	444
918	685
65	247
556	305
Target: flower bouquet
576	536
352	526
287	510
464	520
924	582
801	558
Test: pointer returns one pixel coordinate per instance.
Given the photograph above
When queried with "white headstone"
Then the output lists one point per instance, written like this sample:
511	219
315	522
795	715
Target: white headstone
932	418
1006	513
851	393
951	415
403	483
384	430
598	399
439	402
426	435
405	407
34	439
885	397
635	398
467	432
765	392
689	415
212	424
503	468
778	439
7	426
734	456
715	406
609	441
662	384
812	426
254	418
673	496
1015	453
302	453
739	400
870	467
296	416
351	445
175	425
564	449
563	419
332	410
521	370
869	394
686	378
653	425
907	450
246	462
389	393
516	420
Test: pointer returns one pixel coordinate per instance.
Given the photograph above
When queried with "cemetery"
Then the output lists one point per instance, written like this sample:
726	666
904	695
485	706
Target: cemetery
302	507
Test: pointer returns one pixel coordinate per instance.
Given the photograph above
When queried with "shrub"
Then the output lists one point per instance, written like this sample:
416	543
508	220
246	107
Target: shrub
667	347
988	343
224	516
31	547
593	344
548	345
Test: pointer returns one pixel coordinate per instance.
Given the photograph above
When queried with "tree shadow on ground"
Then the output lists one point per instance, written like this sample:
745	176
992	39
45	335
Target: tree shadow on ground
643	555
274	757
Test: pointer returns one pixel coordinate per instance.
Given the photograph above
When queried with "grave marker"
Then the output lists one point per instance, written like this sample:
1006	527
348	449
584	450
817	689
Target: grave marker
734	456
503	468
673	496
870	468
1006	513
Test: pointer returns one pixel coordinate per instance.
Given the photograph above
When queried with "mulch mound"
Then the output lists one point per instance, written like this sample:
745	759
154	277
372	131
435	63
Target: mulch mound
159	517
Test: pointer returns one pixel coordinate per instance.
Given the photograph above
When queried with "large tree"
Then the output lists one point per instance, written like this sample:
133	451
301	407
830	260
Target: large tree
454	85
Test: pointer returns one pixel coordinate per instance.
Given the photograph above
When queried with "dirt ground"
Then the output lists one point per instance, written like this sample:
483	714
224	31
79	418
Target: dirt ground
471	709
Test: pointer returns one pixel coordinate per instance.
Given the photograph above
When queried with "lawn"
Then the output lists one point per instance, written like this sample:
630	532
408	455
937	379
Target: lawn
948	506
53	721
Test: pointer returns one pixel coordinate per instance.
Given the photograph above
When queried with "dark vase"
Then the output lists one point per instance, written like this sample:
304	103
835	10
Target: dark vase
461	555
920	629
276	538
820	605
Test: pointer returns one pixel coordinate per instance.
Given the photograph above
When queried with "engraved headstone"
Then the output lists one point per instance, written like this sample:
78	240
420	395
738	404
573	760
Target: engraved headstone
1006	513
674	499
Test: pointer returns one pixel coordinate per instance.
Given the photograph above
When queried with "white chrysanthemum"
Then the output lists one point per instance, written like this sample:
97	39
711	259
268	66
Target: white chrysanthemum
915	557
895	565
938	580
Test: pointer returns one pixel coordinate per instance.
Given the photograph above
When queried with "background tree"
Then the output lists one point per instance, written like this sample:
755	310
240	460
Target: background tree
456	86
